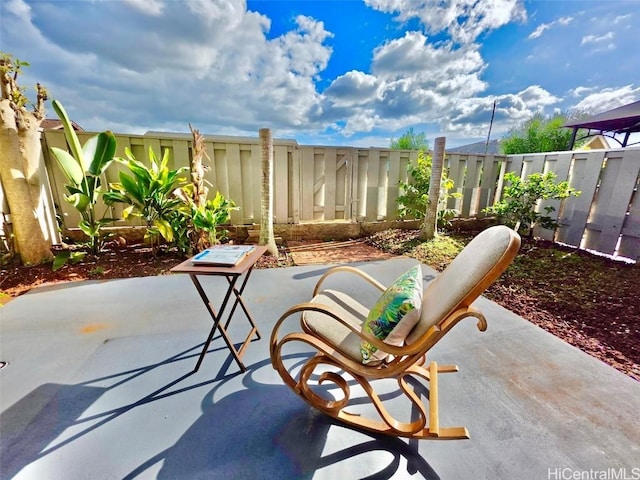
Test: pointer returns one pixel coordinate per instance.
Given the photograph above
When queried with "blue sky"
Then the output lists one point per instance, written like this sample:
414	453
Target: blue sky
327	72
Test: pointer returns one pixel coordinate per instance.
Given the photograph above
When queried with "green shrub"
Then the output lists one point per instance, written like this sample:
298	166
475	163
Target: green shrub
198	226
414	196
149	194
520	198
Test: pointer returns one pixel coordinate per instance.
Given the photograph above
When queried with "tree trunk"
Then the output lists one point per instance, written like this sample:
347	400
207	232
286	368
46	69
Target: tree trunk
430	225
266	200
19	172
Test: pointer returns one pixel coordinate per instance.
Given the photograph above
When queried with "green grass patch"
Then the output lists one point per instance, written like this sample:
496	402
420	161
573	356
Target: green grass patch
439	252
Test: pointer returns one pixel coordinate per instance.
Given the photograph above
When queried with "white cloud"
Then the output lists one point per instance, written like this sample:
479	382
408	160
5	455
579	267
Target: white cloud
622	18
540	30
150	7
472	116
596	39
159	64
564	21
599	42
213	12
411	81
18	8
608	98
536	96
412	56
464	20
209	64
352	88
581	91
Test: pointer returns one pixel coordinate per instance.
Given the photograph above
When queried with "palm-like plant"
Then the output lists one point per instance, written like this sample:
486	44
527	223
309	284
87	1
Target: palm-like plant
83	168
149	194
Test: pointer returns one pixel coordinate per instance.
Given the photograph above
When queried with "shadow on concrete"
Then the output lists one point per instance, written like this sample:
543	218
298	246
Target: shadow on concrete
31	425
28	427
264	428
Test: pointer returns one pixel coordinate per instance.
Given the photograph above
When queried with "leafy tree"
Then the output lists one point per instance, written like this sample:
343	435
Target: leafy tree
410	141
540	134
518	207
20	162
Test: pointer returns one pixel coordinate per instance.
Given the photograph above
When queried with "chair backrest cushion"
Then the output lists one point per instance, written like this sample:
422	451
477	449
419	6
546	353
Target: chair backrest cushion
394	315
478	265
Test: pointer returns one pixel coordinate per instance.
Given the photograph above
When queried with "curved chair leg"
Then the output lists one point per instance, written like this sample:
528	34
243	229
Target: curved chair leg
425	426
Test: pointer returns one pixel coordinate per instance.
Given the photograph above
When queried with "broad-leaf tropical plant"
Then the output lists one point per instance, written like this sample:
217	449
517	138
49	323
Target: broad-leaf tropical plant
196	226
149	193
83	168
197	223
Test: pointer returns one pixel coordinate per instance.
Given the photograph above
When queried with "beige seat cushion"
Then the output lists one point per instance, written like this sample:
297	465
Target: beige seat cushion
331	330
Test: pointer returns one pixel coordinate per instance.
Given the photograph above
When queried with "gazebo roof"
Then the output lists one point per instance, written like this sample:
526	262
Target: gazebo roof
624	119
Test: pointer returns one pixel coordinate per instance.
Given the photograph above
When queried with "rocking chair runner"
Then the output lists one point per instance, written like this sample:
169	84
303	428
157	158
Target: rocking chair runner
332	324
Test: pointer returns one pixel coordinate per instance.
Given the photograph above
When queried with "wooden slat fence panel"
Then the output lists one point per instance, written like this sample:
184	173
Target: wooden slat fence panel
393	189
318	183
220	169
383	184
559	164
295	160
234	174
181	155
456	168
584	178
280	184
532	164
487	187
514	164
307	182
330	180
247	192
327	183
630	240
471	184
611	202
372	180
210	168
343	184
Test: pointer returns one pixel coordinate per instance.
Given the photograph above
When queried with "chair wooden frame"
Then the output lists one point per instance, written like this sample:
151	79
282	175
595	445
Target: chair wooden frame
408	360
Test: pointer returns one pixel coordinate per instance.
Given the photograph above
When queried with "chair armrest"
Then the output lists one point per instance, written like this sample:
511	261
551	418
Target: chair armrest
345	268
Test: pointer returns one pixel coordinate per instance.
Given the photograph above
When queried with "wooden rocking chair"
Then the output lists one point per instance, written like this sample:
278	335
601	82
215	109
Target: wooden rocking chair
332	324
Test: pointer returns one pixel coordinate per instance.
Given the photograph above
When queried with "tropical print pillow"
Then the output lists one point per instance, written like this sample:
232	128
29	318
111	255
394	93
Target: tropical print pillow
394	315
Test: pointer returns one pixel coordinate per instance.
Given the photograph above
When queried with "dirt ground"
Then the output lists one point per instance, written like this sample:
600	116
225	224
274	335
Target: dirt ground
588	301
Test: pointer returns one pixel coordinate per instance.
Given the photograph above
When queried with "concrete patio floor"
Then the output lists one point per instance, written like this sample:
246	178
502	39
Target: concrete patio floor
99	386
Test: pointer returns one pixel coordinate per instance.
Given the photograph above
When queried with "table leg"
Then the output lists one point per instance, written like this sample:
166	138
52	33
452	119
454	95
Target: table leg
217	324
239	300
